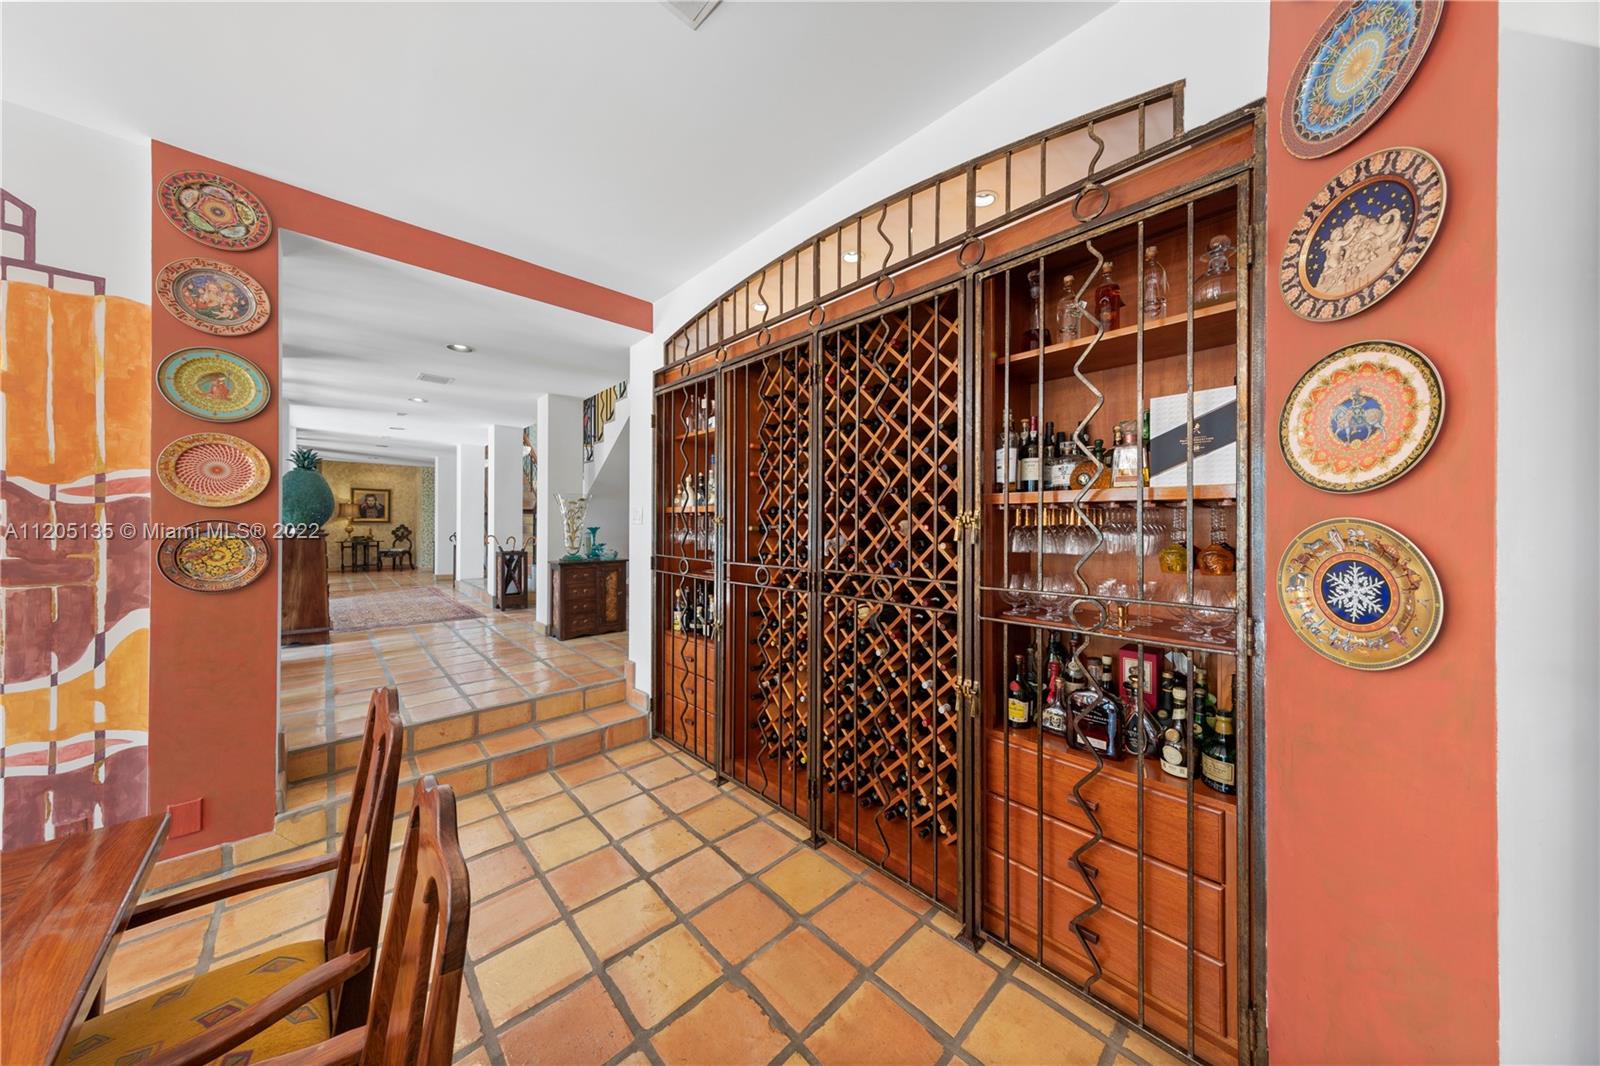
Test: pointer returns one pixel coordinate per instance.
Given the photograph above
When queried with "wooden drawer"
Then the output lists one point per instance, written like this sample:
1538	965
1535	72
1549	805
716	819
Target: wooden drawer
687	725
1117	805
1117	952
1117	877
690	653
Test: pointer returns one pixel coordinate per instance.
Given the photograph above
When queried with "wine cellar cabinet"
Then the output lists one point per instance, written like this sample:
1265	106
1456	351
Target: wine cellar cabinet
957	560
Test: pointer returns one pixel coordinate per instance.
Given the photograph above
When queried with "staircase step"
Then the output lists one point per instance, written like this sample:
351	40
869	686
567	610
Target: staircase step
319	760
317	807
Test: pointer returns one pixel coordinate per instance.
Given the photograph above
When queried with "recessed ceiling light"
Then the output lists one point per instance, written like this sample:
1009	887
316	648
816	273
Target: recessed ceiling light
458	347
380	445
852	256
402	429
402	414
416	399
985	198
759	306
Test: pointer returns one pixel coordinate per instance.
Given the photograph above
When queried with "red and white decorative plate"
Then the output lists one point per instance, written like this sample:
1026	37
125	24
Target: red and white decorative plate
1361	417
213	469
213	297
214	210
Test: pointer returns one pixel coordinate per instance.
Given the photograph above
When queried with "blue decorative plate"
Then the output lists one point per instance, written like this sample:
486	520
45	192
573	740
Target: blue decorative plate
1363	234
213	384
1360	594
1356	66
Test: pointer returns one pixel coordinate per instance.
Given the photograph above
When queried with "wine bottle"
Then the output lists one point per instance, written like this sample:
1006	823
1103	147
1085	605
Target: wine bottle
1217	757
1019	698
1028	474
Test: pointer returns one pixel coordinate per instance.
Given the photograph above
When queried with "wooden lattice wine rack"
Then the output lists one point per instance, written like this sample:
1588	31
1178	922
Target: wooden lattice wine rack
842	607
889	511
768	644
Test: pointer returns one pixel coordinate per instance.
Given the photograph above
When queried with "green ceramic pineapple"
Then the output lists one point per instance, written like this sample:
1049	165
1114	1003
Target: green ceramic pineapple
307	500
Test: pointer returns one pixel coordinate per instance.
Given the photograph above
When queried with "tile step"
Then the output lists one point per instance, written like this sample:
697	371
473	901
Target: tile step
319	759
470	767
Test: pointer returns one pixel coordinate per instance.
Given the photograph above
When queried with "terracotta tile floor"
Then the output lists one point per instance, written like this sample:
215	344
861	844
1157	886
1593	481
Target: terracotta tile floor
609	927
443	669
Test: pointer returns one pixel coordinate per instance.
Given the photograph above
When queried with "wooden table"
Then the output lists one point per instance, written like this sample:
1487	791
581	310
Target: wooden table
62	906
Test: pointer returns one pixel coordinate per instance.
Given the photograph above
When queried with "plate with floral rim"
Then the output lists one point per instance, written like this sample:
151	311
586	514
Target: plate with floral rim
213	384
1363	234
214	210
213	297
213	469
1356	66
1361	417
213	556
1360	593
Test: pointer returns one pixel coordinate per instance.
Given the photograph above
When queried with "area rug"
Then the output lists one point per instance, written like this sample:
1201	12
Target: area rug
397	607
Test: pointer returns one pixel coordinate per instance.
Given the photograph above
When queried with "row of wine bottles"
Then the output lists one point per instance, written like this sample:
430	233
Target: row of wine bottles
691	609
1094	710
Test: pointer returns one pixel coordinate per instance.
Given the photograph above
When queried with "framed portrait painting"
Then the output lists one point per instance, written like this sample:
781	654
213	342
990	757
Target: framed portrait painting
372	505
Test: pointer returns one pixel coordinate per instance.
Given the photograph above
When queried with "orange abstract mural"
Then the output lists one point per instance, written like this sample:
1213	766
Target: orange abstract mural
74	559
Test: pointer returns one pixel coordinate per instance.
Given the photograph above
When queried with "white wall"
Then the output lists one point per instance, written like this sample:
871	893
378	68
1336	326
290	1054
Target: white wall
1545	615
92	193
1221	49
444	513
505	484
470	548
559	444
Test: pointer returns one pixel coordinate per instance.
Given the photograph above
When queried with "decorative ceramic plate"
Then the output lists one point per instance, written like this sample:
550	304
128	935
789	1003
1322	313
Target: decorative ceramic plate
1363	234
213	297
214	210
213	556
1360	594
1356	66
1361	417
213	384
213	469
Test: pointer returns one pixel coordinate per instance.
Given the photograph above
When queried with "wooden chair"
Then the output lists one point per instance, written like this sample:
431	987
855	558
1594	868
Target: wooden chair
402	535
352	927
412	1017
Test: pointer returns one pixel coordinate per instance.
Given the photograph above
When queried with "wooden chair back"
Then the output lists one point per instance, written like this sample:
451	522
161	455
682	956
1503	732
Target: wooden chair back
402	535
418	983
355	911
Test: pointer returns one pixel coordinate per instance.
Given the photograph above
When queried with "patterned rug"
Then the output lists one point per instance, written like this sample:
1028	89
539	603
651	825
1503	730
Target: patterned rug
398	607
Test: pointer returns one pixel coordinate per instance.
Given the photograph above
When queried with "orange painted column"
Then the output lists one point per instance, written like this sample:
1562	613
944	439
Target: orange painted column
214	658
1380	832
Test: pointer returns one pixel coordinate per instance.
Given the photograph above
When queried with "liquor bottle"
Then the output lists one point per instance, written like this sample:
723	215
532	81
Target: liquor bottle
1038	334
1019	698
1096	718
1047	456
1218	755
1053	716
1174	741
1108	300
1058	475
1028	473
1153	286
677	611
1069	310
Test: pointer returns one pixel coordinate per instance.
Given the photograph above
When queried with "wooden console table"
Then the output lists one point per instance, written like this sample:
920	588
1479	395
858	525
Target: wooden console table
588	597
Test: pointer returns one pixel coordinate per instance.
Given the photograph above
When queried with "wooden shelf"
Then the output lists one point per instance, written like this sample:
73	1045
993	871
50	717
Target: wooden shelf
1164	338
1125	494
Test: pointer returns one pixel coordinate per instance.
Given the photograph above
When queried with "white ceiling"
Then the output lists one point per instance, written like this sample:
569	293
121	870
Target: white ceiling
357	329
605	140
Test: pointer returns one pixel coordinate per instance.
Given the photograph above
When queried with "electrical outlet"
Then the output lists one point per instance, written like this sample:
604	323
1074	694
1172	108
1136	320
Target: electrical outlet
185	818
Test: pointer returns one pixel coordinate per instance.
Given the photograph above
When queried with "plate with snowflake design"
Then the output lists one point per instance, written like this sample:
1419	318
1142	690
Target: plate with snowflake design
1360	593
